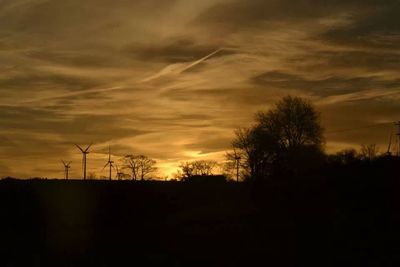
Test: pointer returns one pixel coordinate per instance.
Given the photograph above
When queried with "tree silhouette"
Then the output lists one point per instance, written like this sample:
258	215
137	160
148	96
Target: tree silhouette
204	167
197	167
257	148
293	122
344	157
369	152
141	166
285	138
92	176
185	170
233	166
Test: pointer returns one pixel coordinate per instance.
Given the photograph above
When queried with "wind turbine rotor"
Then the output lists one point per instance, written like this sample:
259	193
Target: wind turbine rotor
88	147
105	166
80	148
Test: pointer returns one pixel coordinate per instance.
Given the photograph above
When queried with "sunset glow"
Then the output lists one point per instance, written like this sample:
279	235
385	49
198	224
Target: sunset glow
173	79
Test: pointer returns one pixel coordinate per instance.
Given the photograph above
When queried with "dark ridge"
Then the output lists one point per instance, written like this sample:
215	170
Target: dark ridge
349	215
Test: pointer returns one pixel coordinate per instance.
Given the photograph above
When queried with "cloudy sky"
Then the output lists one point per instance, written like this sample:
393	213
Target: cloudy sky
172	79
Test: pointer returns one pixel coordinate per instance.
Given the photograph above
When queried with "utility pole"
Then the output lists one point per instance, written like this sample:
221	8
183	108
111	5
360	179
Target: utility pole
237	159
398	138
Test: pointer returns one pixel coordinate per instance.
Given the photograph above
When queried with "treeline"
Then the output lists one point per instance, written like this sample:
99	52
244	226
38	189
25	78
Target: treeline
285	142
288	141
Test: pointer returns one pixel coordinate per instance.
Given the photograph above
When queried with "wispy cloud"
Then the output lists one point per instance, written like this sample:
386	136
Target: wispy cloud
178	68
172	79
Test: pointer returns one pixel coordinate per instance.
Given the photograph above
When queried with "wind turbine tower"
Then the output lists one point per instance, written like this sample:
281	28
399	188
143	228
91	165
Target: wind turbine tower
119	173
389	153
66	169
84	154
109	163
237	160
398	137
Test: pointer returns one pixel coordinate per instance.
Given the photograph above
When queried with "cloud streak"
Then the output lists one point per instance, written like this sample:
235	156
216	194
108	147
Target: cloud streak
173	79
178	68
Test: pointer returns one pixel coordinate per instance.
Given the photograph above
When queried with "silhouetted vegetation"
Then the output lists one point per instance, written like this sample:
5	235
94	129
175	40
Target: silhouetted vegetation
298	207
348	213
286	140
140	166
196	168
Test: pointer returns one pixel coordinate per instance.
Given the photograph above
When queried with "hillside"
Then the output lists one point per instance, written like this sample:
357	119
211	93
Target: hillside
326	222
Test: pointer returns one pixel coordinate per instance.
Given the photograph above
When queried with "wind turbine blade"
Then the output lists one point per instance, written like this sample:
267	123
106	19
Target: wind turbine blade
104	166
79	148
88	147
63	162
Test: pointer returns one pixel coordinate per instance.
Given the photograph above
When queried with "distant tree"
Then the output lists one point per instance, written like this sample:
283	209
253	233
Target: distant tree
293	122
122	176
286	138
198	167
344	157
185	170
92	176
369	152
178	175
233	165
257	149
204	167
141	166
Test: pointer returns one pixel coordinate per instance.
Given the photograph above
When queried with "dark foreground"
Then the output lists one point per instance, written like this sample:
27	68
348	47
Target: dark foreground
351	218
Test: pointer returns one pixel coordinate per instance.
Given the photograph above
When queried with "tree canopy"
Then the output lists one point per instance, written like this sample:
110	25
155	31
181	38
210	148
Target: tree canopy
289	130
293	122
140	166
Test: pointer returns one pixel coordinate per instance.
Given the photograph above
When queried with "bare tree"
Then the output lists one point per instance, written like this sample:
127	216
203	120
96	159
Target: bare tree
141	166
293	122
198	167
129	162
257	149
146	166
287	138
92	176
235	165
186	170
369	152
204	167
344	157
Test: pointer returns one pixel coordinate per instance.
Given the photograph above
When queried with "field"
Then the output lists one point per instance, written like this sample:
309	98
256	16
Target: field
100	223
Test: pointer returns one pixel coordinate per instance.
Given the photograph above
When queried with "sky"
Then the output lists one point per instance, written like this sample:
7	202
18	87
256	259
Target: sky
172	79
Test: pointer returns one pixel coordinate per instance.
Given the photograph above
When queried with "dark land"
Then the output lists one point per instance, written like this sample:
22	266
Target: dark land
347	215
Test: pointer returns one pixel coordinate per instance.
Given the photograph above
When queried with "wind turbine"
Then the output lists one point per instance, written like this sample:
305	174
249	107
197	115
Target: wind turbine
109	162
84	154
66	168
119	173
390	145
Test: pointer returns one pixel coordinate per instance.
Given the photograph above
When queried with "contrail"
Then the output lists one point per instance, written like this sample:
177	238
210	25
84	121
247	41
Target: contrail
72	94
370	94
201	60
178	68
